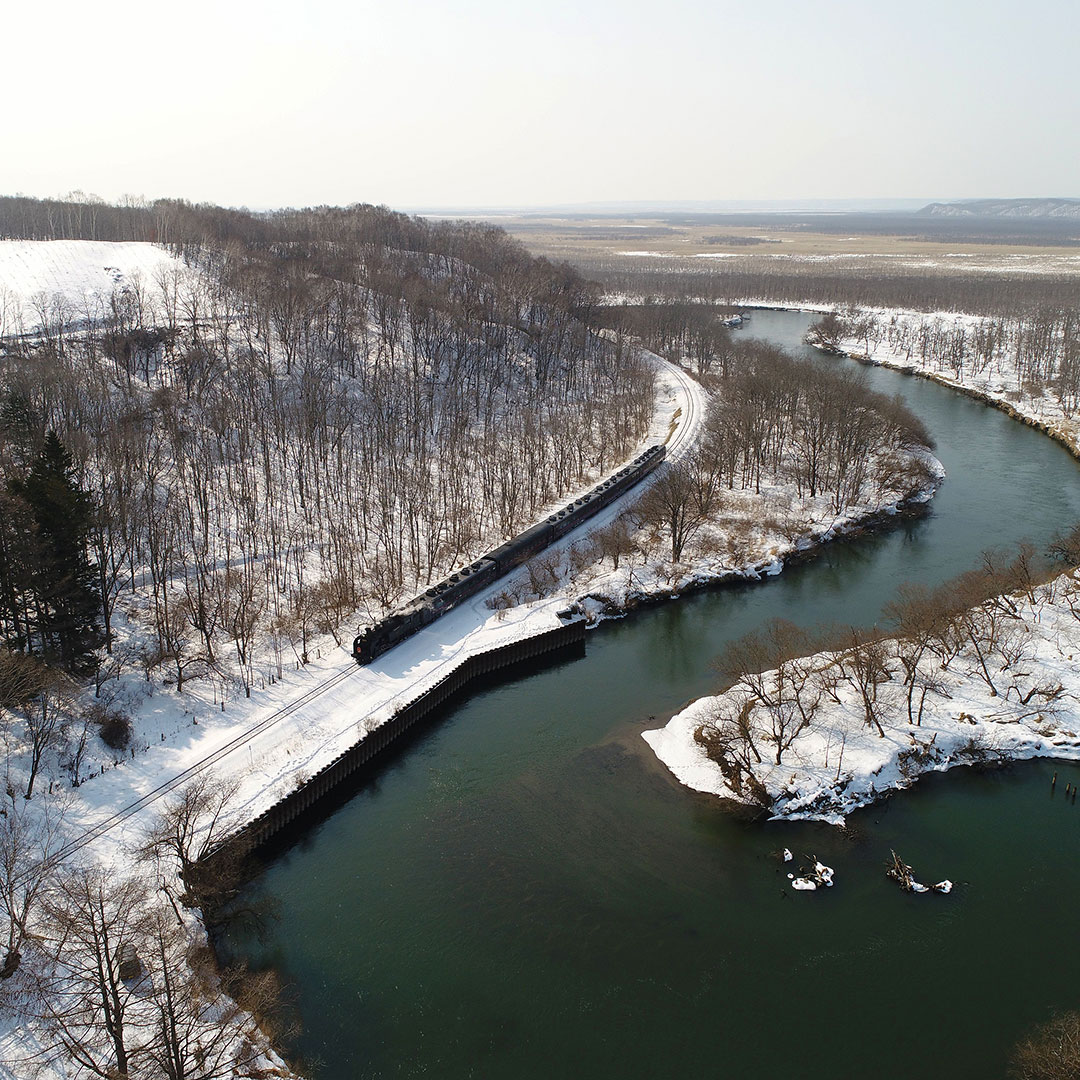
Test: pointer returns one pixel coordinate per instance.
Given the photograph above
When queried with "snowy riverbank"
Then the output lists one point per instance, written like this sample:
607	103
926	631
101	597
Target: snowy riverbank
900	341
302	716
999	382
757	535
1023	703
1017	697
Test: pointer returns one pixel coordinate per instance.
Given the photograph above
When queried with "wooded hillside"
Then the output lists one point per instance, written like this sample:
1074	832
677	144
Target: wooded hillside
312	412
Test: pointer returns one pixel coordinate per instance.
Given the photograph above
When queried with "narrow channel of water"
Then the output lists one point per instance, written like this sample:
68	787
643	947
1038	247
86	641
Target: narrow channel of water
525	893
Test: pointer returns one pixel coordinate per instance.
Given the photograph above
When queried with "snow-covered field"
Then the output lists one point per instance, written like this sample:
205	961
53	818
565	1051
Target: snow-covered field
42	278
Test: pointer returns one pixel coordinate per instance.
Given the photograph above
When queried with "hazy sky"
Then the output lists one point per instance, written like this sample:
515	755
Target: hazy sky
492	103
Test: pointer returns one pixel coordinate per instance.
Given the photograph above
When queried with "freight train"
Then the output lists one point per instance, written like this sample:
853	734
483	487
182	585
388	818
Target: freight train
437	600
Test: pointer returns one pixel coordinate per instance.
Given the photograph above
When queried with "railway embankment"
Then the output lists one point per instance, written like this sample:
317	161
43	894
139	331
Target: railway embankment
549	646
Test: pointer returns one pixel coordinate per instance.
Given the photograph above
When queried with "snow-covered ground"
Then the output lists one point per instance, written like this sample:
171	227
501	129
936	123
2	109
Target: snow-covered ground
997	383
753	536
840	762
41	278
293	722
288	730
863	261
292	726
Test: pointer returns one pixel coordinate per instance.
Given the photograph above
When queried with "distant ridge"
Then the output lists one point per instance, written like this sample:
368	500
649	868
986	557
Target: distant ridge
1005	208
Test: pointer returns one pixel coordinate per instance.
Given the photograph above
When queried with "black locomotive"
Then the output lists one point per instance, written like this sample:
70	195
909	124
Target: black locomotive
440	598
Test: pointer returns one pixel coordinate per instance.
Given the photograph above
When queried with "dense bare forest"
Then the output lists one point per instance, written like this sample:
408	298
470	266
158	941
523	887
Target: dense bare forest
773	416
868	282
1031	348
824	431
314	413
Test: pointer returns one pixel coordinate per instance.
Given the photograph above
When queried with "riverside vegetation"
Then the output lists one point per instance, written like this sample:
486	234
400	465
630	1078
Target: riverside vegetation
782	682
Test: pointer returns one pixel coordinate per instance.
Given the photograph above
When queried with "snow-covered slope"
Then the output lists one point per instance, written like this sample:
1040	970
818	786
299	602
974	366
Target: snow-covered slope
1006	208
320	710
83	273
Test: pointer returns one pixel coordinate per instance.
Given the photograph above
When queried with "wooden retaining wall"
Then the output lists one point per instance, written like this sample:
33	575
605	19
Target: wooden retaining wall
308	795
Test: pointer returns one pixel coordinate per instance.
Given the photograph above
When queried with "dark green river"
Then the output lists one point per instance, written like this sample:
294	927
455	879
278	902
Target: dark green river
525	893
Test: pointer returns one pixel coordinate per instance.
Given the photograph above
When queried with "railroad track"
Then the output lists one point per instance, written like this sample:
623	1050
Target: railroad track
685	435
243	739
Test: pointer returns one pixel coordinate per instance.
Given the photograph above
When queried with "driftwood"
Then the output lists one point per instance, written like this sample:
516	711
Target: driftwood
900	872
810	879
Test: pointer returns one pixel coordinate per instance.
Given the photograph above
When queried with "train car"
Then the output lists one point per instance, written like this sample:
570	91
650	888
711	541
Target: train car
523	547
441	597
424	609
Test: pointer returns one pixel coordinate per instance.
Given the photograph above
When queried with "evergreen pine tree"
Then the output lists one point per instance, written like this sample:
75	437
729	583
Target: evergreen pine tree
68	608
17	562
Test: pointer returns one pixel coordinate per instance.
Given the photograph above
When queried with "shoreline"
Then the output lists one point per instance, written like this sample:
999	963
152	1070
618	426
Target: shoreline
967	739
701	578
987	398
997	401
840	764
302	800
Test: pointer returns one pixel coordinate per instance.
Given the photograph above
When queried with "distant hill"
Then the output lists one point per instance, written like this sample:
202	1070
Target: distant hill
1005	208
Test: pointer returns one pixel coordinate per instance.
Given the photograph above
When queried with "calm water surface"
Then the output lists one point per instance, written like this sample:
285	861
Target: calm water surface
525	893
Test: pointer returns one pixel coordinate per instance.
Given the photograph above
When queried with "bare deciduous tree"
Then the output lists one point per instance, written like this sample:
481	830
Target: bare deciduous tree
682	498
728	737
196	1031
616	541
94	923
771	666
189	827
27	844
1050	1052
865	664
44	714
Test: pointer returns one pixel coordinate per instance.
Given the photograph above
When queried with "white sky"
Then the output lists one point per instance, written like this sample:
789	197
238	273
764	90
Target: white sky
496	102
